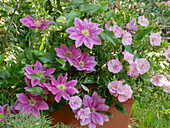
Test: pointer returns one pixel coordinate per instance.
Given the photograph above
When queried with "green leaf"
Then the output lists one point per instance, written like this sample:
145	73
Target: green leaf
108	113
1	81
108	35
142	32
74	13
76	2
37	52
41	47
4	74
120	108
89	8
2	58
60	104
41	74
129	48
89	80
61	61
38	91
35	76
108	15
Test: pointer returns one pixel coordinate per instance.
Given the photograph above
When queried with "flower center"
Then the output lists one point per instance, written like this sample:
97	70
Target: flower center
92	109
85	32
81	63
68	54
1	116
32	102
38	22
61	87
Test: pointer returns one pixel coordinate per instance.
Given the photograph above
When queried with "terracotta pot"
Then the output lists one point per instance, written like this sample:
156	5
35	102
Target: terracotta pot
119	120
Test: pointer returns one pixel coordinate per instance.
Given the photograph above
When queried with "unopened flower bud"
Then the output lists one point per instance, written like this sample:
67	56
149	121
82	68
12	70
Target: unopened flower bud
104	66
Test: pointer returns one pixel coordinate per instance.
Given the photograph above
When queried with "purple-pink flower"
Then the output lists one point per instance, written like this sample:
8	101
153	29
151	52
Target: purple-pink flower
131	25
159	80
155	39
68	54
128	56
84	62
38	68
85	32
31	23
75	102
3	111
117	31
32	105
142	65
127	38
143	21
60	88
167	54
89	114
114	66
133	71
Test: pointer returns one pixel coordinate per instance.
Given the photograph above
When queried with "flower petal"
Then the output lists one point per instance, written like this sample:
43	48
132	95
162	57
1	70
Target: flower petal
22	98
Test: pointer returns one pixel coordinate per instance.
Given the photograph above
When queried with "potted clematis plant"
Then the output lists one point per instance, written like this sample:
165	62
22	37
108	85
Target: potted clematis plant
97	67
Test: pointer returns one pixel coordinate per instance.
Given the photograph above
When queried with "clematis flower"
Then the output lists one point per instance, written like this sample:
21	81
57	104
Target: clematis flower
32	105
155	39
31	23
68	54
115	88
114	66
126	93
60	88
85	32
131	25
143	21
84	62
133	71
3	111
128	56
142	65
75	102
159	80
89	114
127	38
38	68
117	31
167	54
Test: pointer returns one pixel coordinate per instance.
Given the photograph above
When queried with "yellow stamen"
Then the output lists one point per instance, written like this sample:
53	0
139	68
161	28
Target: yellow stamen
85	32
61	87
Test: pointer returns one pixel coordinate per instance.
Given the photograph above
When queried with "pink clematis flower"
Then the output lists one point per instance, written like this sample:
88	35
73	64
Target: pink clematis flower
115	88
89	114
60	88
85	32
128	56
127	38
38	68
75	102
68	54
115	66
142	65
167	54
117	31
155	39
32	105
3	112
133	71
131	25
143	21
31	23
159	80
84	62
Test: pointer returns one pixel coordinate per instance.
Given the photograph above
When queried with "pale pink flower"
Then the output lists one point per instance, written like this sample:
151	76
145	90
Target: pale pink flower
75	102
131	25
108	25
84	62
143	21
85	32
167	54
133	71
128	56
158	80
127	38
142	65
31	23
117	31
115	88
114	66
126	93
155	39
84	115
166	87
60	88
68	54
32	105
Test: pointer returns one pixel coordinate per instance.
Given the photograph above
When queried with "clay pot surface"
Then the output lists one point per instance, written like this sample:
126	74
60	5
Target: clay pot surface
119	120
